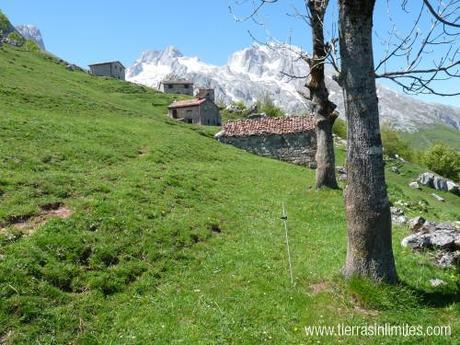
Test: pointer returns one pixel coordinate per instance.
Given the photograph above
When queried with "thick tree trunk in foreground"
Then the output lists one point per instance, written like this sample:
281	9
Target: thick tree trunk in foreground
369	251
323	107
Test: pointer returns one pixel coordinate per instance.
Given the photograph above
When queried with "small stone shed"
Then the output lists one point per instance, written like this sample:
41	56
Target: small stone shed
291	138
201	111
180	87
114	69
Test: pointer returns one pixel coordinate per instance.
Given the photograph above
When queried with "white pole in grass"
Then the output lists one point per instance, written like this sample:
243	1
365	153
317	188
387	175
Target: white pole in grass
284	218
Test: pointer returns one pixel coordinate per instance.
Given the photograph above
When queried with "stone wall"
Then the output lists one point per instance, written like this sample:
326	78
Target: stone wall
297	148
187	114
210	114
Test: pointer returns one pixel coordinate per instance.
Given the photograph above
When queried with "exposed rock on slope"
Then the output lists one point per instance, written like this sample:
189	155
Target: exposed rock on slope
443	238
439	183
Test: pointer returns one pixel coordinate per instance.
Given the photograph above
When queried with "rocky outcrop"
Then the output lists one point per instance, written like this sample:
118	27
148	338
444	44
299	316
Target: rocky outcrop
437	197
442	238
415	224
414	185
397	216
437	182
342	173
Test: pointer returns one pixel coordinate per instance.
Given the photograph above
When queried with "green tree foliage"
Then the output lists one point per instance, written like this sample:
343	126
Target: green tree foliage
240	106
443	160
239	111
267	106
394	144
31	46
16	38
340	128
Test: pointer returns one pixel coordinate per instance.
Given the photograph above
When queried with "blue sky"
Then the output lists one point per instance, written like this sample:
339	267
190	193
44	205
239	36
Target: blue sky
85	32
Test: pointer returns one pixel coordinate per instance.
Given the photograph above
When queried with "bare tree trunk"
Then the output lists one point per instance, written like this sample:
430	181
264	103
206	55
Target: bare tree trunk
323	107
369	250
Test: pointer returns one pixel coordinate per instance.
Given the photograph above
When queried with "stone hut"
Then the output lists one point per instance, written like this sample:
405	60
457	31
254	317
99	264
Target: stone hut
291	138
113	69
201	111
181	87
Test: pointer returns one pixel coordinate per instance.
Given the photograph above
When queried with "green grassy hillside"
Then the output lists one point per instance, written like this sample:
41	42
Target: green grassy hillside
425	137
173	237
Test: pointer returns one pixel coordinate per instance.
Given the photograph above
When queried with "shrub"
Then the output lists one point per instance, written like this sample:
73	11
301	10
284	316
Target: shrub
267	106
240	111
340	128
16	38
394	144
443	160
240	106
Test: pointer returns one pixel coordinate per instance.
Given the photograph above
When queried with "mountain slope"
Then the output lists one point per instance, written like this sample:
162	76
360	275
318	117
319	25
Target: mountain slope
172	237
6	29
258	70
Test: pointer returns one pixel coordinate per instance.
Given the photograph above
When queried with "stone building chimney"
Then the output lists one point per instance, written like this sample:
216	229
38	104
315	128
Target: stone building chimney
206	93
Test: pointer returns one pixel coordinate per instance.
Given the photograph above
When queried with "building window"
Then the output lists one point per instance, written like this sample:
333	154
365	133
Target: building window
186	86
170	86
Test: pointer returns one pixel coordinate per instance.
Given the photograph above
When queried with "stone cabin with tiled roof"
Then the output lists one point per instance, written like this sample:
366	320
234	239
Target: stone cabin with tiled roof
201	110
291	138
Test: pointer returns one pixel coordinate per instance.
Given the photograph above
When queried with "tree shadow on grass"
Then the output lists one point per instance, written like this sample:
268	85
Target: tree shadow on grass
380	296
434	299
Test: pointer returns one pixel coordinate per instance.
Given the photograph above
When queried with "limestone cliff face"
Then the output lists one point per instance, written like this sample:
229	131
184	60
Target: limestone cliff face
31	32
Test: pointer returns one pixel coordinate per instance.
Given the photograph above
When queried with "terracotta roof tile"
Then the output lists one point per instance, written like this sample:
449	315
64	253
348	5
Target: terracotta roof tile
269	125
187	103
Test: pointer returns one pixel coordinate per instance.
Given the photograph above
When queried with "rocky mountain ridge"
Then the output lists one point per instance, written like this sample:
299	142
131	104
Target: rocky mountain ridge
275	70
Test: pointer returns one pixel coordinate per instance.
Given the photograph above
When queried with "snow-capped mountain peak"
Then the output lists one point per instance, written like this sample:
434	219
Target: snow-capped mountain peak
166	56
261	70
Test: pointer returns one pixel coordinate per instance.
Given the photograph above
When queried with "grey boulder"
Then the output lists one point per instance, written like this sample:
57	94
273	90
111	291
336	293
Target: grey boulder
397	216
414	185
438	182
415	224
433	236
